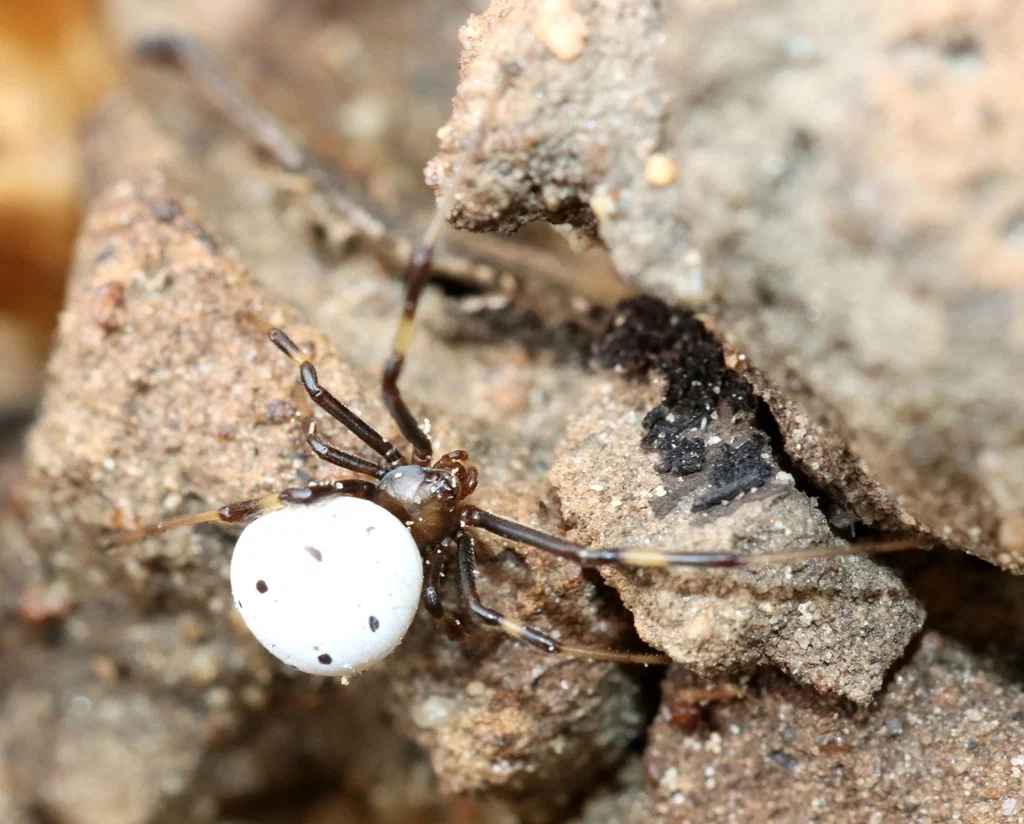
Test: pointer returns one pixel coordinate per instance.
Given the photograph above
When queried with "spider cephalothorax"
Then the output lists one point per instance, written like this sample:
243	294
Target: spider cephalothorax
426	499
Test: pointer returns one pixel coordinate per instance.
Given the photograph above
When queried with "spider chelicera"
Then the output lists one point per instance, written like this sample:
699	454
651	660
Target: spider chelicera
412	512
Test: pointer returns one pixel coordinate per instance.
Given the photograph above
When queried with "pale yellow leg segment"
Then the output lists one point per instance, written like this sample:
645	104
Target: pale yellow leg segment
241	512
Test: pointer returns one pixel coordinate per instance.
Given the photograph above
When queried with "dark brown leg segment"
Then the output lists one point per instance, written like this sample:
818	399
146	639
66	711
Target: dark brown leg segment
244	512
330	404
586	556
345	460
415	280
434	560
653	556
417	274
525	633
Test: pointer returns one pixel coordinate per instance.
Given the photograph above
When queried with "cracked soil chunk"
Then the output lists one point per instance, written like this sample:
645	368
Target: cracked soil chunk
838	625
715	484
942	742
860	245
556	146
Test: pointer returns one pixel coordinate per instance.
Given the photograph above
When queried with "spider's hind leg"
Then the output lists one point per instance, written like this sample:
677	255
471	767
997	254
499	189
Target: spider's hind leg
434	558
526	633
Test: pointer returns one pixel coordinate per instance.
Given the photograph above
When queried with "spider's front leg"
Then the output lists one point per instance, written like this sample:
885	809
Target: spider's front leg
416	278
524	632
225	95
330	404
346	460
244	512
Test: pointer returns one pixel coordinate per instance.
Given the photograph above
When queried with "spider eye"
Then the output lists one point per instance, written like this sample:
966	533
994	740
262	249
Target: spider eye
330	589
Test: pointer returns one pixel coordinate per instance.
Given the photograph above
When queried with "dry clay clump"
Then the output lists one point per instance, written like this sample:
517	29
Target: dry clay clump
759	159
573	142
165	398
941	743
799	757
715	484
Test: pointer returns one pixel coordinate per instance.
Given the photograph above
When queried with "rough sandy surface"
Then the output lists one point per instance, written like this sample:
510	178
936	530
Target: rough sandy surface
713	483
941	743
861	246
161	400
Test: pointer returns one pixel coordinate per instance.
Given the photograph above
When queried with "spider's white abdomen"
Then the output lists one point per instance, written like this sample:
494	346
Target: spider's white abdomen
330	589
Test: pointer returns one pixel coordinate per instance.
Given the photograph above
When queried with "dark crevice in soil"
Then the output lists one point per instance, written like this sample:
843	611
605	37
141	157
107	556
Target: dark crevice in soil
969	599
704	396
568	342
650	678
834	511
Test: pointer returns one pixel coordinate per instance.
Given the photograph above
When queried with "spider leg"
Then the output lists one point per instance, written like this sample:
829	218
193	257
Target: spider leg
434	560
418	271
220	90
416	278
243	512
465	260
260	127
330	404
345	460
526	633
654	556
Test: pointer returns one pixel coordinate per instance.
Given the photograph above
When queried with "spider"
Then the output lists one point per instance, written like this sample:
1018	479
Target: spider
329	577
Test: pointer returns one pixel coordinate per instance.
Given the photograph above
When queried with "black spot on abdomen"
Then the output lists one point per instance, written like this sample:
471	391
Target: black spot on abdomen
261	586
316	554
324	658
374	623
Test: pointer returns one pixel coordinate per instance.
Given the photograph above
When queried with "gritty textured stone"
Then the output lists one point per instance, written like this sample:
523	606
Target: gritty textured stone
717	485
942	742
838	625
856	242
555	148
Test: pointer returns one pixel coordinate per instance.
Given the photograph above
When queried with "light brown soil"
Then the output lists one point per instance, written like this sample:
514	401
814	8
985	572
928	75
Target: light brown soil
130	692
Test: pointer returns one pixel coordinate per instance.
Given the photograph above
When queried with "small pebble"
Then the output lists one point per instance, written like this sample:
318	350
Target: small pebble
660	170
561	28
44	603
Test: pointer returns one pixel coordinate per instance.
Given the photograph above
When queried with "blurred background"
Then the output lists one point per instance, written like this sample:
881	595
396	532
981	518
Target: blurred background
56	62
